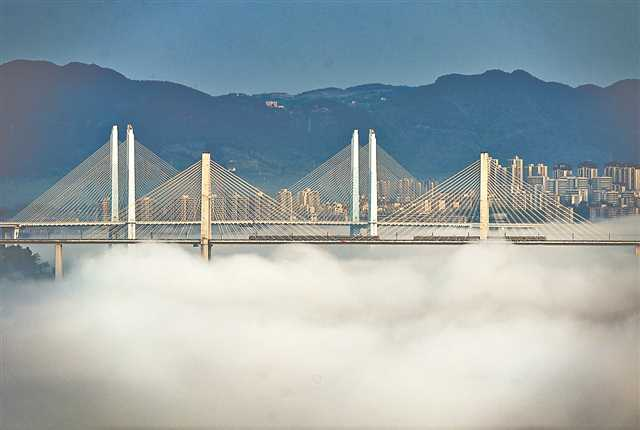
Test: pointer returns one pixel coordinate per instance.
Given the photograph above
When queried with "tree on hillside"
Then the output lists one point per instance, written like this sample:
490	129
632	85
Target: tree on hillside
22	263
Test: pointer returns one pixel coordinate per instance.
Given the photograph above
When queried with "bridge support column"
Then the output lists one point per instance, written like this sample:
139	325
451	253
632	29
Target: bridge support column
16	233
131	207
205	208
637	250
58	262
373	185
484	196
355	184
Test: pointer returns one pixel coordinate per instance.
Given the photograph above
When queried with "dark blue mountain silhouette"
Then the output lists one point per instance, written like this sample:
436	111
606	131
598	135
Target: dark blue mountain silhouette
52	117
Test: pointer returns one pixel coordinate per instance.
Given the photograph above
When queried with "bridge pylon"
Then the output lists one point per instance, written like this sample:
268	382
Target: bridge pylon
355	184
205	208
131	168
484	195
373	185
115	203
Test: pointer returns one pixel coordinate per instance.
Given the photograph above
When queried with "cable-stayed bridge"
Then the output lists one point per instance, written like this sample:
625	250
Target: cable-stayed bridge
124	193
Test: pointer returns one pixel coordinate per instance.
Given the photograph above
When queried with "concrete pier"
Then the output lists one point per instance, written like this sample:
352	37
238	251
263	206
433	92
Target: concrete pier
58	262
637	250
373	185
205	208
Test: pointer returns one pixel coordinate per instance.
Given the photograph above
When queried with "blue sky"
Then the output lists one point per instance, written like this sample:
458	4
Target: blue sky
222	47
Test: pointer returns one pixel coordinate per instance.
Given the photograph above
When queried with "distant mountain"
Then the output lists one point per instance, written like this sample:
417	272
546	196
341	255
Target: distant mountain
52	117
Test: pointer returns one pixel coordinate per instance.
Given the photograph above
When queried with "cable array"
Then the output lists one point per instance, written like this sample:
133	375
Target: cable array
84	194
526	210
168	203
446	209
325	194
238	209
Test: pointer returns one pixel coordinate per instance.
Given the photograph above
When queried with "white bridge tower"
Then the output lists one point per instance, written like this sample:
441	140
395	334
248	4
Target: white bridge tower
131	207
373	186
484	195
355	184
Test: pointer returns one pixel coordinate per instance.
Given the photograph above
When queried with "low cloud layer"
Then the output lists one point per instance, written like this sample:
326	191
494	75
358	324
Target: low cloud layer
473	336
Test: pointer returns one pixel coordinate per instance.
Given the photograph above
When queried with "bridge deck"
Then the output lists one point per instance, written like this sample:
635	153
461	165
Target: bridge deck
195	242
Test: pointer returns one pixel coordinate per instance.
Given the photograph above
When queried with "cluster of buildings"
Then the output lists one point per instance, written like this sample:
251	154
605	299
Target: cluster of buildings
309	204
590	191
609	192
392	194
246	206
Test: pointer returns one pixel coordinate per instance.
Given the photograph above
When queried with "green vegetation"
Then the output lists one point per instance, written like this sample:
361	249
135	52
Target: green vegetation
22	263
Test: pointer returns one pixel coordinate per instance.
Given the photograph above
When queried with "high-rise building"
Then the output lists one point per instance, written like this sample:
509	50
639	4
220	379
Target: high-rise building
145	208
601	183
218	207
587	169
541	170
239	207
538	182
406	191
562	170
529	170
580	182
384	189
285	201
419	188
628	173
260	206
185	207
309	199
516	171
564	185
611	196
614	170
106	214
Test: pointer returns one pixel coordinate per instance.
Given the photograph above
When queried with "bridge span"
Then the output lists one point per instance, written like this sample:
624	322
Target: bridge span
126	194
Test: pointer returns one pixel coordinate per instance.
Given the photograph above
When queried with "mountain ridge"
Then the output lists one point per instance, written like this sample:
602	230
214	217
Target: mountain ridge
54	116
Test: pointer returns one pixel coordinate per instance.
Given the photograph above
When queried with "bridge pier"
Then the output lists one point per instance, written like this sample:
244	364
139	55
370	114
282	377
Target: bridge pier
205	208
58	262
637	250
16	233
373	185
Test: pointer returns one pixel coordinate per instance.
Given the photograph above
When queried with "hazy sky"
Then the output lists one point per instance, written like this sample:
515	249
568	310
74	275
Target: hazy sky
222	47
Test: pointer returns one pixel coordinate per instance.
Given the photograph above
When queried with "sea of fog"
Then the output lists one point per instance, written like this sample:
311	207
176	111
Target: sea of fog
487	335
